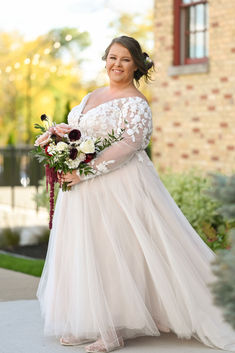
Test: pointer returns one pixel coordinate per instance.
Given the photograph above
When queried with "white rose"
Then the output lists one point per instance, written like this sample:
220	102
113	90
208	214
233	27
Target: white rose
61	146
87	146
81	157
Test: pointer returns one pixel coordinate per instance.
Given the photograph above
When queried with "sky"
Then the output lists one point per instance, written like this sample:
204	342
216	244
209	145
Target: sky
32	18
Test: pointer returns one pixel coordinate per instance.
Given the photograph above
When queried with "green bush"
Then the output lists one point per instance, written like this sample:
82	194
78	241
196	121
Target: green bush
189	191
224	288
9	238
148	149
223	189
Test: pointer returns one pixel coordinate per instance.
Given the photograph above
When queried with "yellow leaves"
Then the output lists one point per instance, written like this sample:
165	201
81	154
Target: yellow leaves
35	79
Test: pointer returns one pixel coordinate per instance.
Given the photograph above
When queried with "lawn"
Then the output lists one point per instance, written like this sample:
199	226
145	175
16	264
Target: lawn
29	266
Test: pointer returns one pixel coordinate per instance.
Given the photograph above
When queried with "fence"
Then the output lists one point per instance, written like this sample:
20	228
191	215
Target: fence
19	168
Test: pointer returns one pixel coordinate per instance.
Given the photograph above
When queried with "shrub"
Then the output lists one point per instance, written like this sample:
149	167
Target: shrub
148	149
223	189
9	238
189	191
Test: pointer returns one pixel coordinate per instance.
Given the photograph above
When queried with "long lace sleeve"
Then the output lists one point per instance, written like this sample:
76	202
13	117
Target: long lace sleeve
136	119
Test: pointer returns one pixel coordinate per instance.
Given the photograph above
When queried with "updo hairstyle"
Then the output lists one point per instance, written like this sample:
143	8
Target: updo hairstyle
141	59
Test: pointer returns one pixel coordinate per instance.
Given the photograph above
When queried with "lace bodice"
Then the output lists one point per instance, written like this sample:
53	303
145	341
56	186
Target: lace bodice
131	113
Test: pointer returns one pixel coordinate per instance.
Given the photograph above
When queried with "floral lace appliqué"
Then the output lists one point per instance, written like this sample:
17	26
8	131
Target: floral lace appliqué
131	113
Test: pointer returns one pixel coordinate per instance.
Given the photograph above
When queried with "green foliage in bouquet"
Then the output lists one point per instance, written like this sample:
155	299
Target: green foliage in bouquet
189	191
100	145
223	189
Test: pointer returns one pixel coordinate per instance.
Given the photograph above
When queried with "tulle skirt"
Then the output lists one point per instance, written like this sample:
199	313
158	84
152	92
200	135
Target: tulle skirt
123	260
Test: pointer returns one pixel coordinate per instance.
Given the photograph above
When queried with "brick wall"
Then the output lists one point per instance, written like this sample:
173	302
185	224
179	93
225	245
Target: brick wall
194	114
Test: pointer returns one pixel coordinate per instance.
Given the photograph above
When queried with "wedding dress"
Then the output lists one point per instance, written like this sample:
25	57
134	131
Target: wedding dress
122	259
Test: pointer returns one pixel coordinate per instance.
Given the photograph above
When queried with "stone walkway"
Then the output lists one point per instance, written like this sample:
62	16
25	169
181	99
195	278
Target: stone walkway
21	327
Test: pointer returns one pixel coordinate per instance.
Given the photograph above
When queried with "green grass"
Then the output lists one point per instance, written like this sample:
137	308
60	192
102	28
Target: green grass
19	264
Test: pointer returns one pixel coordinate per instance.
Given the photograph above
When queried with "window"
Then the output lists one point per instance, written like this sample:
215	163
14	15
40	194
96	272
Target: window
190	32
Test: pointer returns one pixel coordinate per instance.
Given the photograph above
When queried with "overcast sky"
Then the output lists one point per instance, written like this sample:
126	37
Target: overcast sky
32	18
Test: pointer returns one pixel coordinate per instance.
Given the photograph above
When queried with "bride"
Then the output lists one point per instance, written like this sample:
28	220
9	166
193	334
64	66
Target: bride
122	259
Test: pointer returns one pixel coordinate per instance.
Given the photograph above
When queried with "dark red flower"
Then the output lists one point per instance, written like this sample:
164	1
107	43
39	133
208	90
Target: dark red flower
89	157
74	135
43	117
73	153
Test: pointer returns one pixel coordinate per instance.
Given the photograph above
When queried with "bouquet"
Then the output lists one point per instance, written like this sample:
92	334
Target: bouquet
61	148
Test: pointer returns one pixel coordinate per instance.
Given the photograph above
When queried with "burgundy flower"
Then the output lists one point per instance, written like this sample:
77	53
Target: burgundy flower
44	117
73	153
74	135
89	157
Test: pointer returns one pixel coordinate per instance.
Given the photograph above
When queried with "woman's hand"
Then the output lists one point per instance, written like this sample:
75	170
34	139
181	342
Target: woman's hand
71	178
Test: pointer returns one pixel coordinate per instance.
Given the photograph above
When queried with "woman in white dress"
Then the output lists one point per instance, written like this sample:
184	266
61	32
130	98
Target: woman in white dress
122	259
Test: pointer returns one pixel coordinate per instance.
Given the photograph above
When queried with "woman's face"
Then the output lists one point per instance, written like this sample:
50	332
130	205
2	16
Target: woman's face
119	64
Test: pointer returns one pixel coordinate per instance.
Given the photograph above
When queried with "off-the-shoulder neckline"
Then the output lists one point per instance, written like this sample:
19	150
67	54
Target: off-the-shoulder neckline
109	101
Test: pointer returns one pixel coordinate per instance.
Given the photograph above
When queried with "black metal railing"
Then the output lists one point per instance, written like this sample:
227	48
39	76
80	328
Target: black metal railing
18	167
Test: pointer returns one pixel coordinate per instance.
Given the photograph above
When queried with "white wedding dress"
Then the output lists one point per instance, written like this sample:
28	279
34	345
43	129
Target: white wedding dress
122	259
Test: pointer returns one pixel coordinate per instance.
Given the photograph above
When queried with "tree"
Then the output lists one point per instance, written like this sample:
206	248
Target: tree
37	79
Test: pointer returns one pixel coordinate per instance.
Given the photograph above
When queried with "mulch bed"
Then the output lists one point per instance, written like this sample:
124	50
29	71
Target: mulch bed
36	251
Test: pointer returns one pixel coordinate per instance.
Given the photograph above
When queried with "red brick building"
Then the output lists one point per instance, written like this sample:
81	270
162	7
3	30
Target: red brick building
194	92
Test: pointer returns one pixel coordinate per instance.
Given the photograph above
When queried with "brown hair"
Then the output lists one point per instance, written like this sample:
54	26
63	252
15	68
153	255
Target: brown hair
141	59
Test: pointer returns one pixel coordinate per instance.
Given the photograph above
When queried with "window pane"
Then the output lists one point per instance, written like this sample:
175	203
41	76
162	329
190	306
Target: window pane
192	45
199	45
192	18
200	17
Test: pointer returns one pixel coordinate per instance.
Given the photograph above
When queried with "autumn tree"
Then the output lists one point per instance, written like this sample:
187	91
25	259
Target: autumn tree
39	76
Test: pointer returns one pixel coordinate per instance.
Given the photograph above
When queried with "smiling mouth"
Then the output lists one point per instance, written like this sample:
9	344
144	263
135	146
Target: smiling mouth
117	71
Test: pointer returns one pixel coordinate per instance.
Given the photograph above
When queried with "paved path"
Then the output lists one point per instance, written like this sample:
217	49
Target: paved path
21	327
16	285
